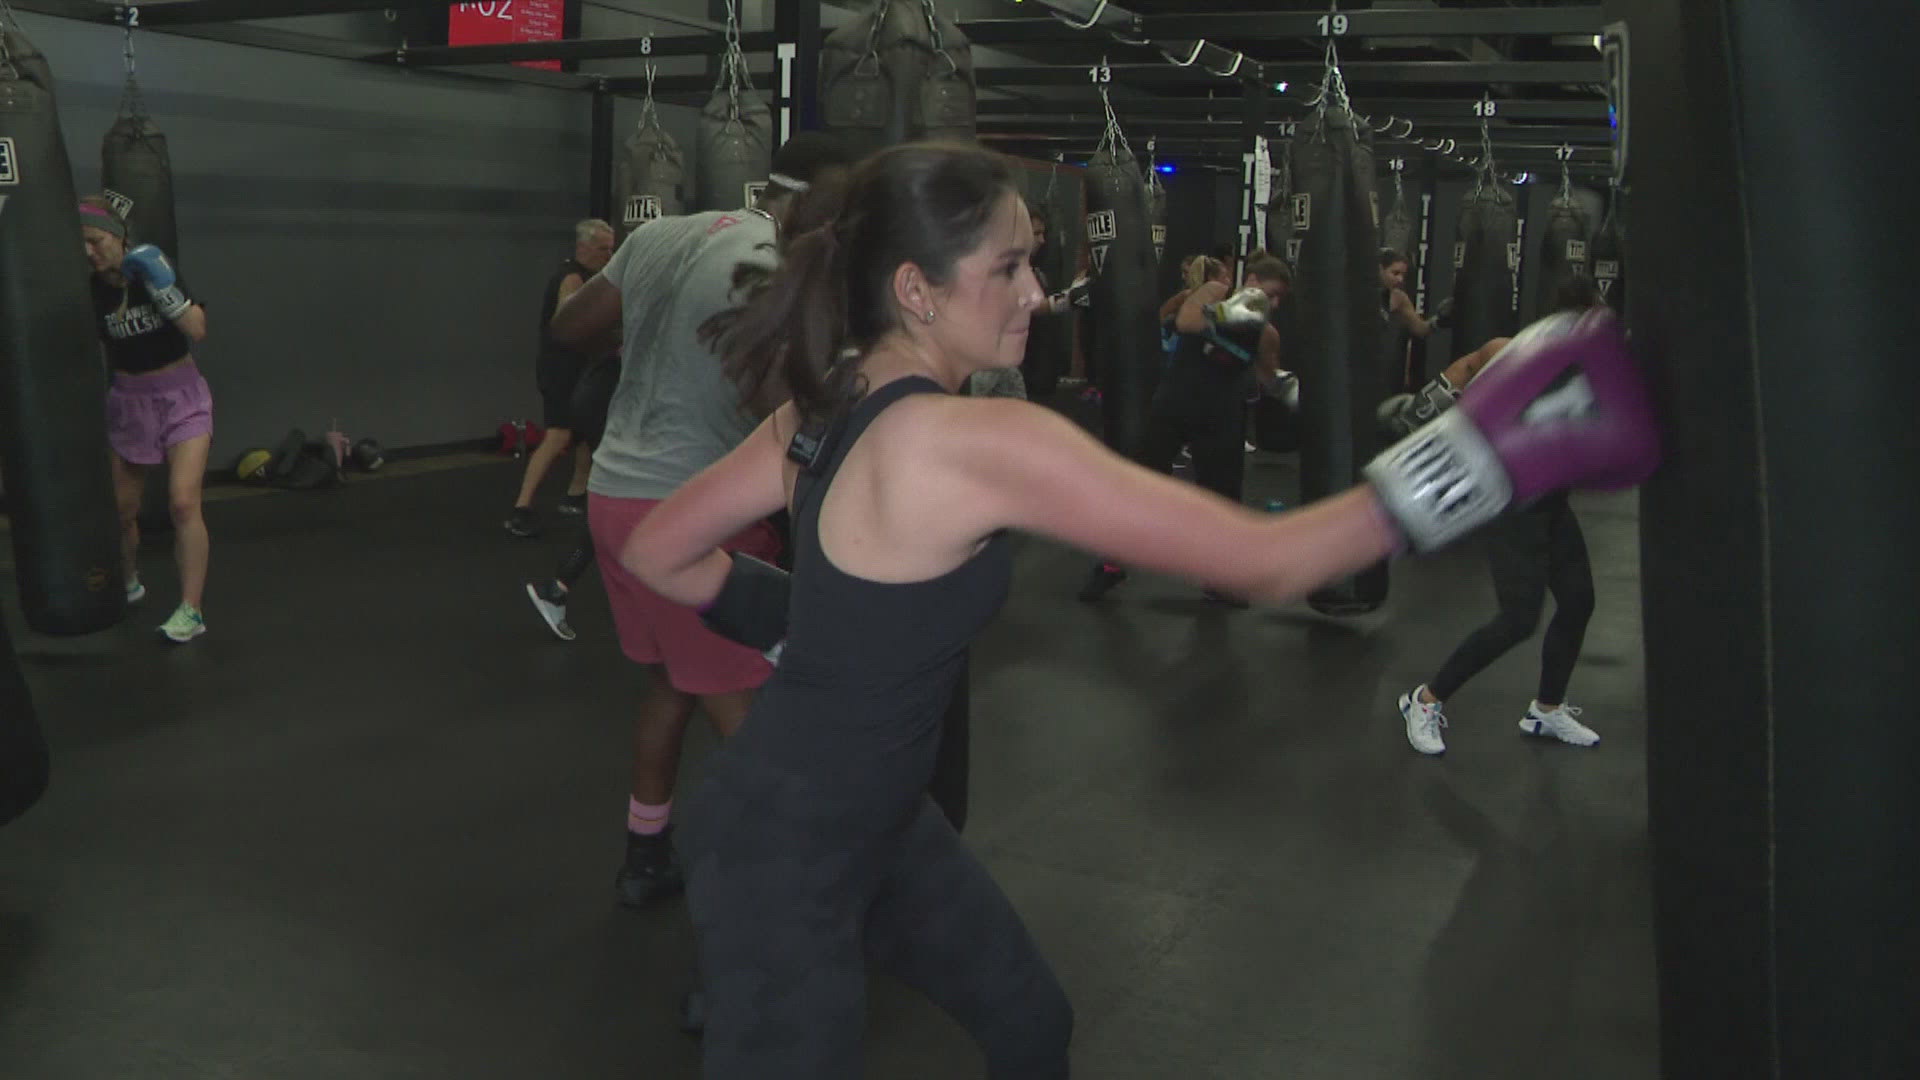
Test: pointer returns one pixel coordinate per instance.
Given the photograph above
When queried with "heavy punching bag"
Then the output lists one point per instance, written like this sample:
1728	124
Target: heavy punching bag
137	174
1397	228
736	135
898	73
649	176
53	417
1485	262
1608	255
1123	305
1338	320
1280	238
1563	249
24	55
1050	337
1156	213
23	749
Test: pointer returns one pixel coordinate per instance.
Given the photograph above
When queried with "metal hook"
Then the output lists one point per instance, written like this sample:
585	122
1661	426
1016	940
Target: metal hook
1191	57
1238	58
1098	10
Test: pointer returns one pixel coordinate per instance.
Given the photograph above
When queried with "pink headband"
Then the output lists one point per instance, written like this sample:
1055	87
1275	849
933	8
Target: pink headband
101	219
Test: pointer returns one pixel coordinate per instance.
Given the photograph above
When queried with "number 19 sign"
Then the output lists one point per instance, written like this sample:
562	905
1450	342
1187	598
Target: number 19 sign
505	22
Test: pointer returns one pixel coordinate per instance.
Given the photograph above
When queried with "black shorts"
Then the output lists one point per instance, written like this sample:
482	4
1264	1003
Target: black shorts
557	375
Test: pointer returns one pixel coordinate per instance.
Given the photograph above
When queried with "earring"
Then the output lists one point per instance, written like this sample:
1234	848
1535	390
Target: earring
929	316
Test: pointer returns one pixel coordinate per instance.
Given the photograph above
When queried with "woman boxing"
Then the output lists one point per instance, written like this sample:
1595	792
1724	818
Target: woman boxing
159	409
812	849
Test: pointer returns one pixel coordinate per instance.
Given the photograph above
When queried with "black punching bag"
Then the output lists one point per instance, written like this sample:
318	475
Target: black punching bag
23	749
53	417
899	72
1485	260
1337	316
138	177
1563	251
649	176
1120	233
1397	231
1050	337
1608	255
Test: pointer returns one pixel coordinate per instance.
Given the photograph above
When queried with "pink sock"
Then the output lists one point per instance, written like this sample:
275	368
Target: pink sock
646	818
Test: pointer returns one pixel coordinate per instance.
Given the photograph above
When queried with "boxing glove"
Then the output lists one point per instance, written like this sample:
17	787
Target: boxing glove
1442	314
1401	414
751	608
1080	293
1564	407
148	265
1248	307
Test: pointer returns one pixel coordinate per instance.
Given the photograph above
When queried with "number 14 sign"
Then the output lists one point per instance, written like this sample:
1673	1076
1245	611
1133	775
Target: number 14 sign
505	22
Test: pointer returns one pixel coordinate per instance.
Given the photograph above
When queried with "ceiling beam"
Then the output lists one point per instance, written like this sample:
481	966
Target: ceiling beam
1432	22
635	48
1408	108
1368	72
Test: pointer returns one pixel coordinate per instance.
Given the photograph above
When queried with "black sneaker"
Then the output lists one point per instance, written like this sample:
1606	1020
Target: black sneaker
573	505
520	523
1104	577
650	871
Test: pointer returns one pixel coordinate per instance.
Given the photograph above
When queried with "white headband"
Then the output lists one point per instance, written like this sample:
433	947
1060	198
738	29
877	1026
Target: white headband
787	182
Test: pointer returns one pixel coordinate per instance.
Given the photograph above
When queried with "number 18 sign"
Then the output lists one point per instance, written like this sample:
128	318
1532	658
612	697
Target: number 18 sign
505	22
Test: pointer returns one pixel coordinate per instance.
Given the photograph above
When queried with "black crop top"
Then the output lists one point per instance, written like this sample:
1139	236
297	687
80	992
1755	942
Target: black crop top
138	338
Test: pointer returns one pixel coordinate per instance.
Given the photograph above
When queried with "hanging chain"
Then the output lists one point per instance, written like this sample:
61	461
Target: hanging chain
130	102
649	115
6	54
872	55
1566	179
733	67
1114	135
934	37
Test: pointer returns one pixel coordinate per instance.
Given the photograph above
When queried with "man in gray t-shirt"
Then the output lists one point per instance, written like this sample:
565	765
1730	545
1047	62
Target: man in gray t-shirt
674	413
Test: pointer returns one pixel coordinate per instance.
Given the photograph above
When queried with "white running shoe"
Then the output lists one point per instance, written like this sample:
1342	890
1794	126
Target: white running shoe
136	592
1560	723
1424	722
554	614
185	624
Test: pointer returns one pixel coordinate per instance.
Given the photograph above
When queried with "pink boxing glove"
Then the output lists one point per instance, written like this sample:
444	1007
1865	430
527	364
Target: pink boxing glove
1562	406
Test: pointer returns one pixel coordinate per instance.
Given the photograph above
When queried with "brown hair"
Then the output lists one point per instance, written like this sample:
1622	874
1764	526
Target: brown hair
924	203
1268	268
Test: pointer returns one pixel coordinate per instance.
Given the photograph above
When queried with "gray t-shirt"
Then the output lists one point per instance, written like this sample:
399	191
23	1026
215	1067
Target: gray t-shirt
674	412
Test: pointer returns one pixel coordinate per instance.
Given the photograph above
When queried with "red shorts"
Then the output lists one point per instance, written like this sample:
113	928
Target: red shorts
654	629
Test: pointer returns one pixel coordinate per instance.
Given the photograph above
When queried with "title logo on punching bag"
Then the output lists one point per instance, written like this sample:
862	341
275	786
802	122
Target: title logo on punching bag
120	203
1102	229
1459	254
1302	212
1293	250
642	209
1159	241
1604	273
1577	251
8	174
754	189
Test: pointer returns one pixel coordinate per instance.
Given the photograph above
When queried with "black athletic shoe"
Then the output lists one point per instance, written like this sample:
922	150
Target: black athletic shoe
573	505
1104	577
521	524
650	871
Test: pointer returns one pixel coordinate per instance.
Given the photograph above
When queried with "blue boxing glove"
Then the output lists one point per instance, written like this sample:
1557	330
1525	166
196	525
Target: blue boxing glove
148	265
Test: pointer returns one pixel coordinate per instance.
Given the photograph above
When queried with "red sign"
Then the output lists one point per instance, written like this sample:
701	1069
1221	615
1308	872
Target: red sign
503	22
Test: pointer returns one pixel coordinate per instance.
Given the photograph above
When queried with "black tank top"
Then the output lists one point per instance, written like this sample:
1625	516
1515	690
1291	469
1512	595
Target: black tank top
551	302
869	667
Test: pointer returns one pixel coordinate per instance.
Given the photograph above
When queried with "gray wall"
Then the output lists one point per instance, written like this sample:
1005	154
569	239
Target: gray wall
371	243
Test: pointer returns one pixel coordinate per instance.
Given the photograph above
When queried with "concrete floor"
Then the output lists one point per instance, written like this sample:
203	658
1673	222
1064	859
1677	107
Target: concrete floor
368	826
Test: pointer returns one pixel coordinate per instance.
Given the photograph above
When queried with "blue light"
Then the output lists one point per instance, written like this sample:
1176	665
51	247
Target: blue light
1167	169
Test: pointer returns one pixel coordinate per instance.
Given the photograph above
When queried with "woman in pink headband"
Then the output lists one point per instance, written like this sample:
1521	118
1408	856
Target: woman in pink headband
159	409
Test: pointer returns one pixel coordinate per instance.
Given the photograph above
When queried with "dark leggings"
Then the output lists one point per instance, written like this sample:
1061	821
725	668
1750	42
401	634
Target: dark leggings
23	750
1531	551
577	559
1207	415
796	897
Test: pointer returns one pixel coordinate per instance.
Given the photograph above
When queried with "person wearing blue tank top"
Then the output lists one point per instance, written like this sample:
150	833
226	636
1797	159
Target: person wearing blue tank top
812	849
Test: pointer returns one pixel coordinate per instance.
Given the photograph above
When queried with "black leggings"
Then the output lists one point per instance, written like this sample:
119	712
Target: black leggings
1531	551
23	749
577	559
1206	414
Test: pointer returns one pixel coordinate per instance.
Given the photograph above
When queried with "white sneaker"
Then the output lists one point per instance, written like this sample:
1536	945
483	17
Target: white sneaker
554	614
136	592
1424	722
1560	724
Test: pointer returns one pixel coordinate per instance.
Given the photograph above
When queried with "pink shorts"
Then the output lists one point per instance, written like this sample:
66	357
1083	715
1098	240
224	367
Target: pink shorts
147	415
654	629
